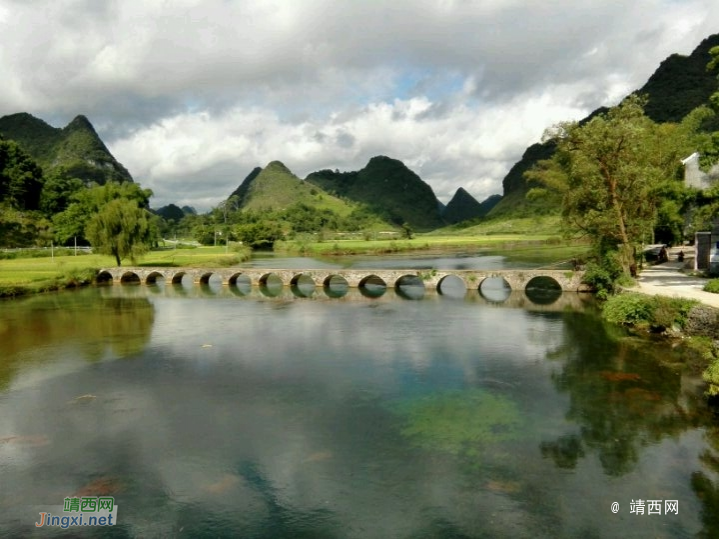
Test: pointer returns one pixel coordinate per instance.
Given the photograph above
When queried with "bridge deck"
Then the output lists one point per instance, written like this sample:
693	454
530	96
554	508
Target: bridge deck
516	279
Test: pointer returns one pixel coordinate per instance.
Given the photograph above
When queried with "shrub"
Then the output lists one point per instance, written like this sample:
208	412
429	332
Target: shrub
640	310
712	286
76	277
629	309
711	376
669	312
602	276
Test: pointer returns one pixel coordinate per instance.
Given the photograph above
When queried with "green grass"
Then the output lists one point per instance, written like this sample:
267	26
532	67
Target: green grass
39	272
418	243
712	286
546	225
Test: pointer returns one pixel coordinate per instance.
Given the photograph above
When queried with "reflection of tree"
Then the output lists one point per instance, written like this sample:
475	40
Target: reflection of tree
707	488
94	325
620	396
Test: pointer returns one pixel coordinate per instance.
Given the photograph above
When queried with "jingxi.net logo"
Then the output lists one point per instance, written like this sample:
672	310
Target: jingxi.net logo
85	511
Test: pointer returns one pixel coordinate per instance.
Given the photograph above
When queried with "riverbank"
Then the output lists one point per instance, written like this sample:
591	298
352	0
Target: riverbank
666	297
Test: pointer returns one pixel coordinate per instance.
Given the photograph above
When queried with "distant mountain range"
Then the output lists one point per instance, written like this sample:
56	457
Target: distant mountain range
385	187
76	148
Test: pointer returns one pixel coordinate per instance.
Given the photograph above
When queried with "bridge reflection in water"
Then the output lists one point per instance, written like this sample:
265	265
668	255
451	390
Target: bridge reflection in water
521	288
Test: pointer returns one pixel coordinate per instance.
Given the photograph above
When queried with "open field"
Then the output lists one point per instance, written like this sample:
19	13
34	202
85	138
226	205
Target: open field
544	225
421	242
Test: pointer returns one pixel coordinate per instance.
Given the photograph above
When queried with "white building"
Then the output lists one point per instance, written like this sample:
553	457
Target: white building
696	177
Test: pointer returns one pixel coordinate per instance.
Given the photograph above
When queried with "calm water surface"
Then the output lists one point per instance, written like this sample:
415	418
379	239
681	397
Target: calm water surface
216	412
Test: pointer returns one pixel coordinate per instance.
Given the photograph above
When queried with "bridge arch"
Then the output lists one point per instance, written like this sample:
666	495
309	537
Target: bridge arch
104	277
270	278
177	277
240	283
235	277
543	290
409	287
494	288
205	277
372	286
153	276
302	285
130	277
335	286
452	286
271	284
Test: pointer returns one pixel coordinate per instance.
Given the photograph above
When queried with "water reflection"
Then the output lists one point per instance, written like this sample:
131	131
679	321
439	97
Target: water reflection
45	325
620	398
245	415
452	286
705	484
495	289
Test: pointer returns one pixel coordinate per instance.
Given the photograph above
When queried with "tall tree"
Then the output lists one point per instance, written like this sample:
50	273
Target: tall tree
86	203
609	172
121	229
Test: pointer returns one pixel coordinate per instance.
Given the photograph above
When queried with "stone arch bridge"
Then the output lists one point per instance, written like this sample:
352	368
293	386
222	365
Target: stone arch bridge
518	280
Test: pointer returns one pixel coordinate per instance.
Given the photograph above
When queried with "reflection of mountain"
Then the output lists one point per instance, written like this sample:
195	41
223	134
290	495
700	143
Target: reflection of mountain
619	398
95	326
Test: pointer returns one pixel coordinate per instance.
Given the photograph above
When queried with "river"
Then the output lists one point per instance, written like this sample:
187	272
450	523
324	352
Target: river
206	411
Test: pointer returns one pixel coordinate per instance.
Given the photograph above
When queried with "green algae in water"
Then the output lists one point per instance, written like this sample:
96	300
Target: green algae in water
459	422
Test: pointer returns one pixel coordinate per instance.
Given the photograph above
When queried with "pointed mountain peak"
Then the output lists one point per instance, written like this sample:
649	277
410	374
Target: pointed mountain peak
80	122
277	166
462	207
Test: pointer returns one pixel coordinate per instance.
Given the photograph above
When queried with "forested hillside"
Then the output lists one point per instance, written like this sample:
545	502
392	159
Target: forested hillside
76	149
679	85
388	188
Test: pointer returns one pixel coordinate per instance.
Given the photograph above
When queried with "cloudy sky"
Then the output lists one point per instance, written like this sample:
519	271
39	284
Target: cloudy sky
191	95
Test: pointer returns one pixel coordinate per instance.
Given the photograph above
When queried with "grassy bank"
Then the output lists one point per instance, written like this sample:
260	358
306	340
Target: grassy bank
429	243
38	274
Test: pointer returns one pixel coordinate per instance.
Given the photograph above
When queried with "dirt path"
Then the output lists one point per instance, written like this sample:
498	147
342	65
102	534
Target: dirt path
668	280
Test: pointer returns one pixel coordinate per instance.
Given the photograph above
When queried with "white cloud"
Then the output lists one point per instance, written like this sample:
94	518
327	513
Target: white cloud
191	95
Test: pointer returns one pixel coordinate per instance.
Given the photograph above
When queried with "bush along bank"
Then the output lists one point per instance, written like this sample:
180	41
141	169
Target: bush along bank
69	279
675	318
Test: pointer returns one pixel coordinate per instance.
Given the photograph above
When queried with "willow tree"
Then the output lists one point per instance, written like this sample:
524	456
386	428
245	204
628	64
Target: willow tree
610	172
121	228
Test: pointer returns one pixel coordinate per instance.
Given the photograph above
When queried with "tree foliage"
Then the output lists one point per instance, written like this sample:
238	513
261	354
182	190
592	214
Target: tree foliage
120	228
20	177
259	235
58	190
611	173
72	222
